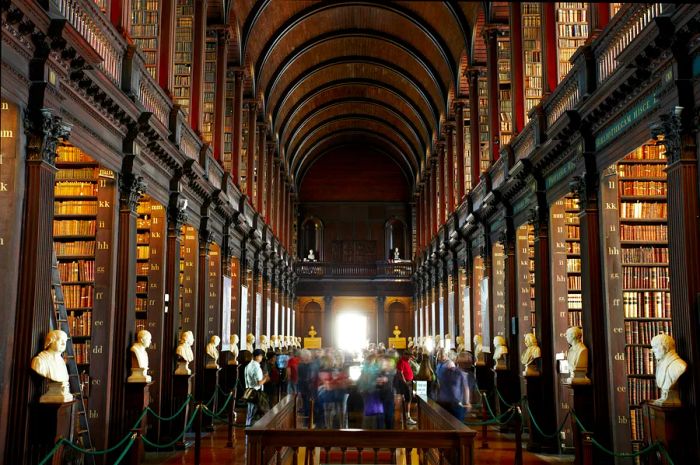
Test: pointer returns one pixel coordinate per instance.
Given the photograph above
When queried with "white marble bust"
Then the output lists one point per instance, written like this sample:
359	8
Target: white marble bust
397	256
460	344
49	363
139	358
184	353
265	342
410	342
290	344
249	341
479	350
233	340
669	367
530	356
577	357
500	350
438	342
311	257
213	352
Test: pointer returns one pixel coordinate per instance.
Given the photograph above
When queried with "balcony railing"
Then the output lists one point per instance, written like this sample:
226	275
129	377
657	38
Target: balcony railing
378	270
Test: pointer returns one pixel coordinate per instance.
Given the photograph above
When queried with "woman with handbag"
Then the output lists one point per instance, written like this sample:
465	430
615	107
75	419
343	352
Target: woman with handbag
254	381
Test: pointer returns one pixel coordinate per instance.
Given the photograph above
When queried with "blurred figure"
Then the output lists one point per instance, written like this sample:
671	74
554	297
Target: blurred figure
292	372
272	386
385	386
306	382
332	389
454	391
254	379
373	410
404	382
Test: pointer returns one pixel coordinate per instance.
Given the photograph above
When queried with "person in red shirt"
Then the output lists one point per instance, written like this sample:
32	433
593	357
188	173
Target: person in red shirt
404	376
293	373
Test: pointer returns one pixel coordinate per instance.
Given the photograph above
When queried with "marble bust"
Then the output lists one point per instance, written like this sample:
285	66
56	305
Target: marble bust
184	353
531	355
669	367
139	358
311	257
577	357
460	344
249	341
49	363
397	256
213	352
500	350
265	342
233	339
479	350
410	342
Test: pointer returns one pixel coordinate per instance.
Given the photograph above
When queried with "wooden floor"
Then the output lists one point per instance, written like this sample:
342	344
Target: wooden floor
214	451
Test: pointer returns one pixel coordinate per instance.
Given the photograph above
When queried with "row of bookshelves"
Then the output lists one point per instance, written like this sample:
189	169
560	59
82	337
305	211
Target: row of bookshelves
645	232
141	287
75	207
641	389
82	352
645	255
77	248
573	248
641	332
78	296
646	304
647	277
141	304
141	324
69	154
573	265
643	210
77	174
74	228
643	170
81	270
75	188
143	252
575	302
575	318
80	324
574	283
643	188
640	360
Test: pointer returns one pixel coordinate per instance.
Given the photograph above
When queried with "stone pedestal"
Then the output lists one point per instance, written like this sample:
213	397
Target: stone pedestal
535	391
48	423
507	384
582	396
666	425
484	377
138	397
182	387
211	381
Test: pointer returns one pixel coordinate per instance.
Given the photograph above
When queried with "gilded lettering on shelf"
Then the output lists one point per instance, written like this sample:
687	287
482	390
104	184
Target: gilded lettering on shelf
186	319
154	220
610	206
95	381
614	275
2	241
562	315
155	234
152	324
622	419
104	204
151	302
5	106
99	295
619	356
105	173
616	302
618	330
155	267
99	323
98	349
102	245
153	285
93	413
613	251
3	187
156	208
620	388
7	134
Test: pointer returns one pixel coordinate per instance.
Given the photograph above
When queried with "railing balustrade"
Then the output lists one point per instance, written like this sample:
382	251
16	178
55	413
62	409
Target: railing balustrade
377	270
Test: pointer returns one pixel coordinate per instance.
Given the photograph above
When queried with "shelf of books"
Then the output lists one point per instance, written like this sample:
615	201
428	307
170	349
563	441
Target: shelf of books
615	8
525	256
572	32
500	320
227	156
532	54
484	136
209	94
243	160
189	259
480	302
182	60
84	195
637	286
566	287
505	101
145	18
465	324
467	153
214	301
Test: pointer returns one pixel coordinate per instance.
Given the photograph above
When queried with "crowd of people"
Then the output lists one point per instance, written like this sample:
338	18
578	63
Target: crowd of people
329	380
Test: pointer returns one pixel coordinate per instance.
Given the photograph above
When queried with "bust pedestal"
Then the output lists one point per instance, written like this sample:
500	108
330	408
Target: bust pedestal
582	395
48	423
138	397
665	424
182	387
231	372
507	384
211	381
535	391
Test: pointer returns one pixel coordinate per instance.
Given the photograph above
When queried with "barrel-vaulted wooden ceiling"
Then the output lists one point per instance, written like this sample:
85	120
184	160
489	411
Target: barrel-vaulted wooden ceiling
376	73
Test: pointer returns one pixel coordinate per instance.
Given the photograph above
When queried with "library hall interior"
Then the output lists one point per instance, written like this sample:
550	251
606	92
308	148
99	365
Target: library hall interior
349	232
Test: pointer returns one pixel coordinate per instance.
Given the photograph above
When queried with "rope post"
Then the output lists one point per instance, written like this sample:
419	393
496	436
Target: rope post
518	436
484	426
587	438
198	434
231	419
136	453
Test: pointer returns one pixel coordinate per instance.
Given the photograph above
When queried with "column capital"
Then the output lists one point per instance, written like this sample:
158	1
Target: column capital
131	189
668	132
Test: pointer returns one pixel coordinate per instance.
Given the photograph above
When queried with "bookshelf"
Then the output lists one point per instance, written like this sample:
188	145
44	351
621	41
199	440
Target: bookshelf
465	328
500	321
484	136
525	256
145	19
209	93
243	160
103	5
532	54
467	154
615	8
636	263
480	301
573	261
182	60
213	322
84	196
189	258
572	32
227	156
505	100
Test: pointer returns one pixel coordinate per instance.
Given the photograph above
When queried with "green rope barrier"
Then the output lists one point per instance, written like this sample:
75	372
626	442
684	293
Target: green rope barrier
537	426
173	416
213	397
494	420
126	450
213	415
223	407
500	396
663	450
221	390
174	441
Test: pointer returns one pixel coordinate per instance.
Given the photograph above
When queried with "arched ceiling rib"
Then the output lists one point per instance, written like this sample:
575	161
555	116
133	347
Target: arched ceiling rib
328	73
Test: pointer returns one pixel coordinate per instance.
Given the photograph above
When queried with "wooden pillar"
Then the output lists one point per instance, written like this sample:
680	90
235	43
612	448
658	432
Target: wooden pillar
549	49
220	104
281	234
250	159
277	198
166	43
451	194
35	304
418	224
434	203
426	209
200	337
200	29
473	75
268	184
381	321
493	91
680	139
237	128
131	187
262	164
120	15
599	14
440	191
511	300
517	67
176	218
459	148
328	321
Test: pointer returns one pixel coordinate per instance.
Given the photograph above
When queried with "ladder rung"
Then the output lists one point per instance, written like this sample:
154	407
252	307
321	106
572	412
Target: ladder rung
82	431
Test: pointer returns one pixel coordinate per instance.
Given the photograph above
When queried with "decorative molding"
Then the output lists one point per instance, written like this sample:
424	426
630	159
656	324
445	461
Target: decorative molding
131	189
669	127
44	130
577	186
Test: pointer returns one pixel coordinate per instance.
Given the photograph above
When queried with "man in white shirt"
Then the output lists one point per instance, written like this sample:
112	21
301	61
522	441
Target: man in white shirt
254	379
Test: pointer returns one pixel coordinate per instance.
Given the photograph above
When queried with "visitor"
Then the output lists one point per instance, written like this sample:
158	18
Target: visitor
292	372
254	379
272	387
385	387
404	383
454	392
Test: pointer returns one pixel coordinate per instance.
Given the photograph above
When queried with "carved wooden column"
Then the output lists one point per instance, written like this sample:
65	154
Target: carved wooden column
43	131
166	43
328	321
516	44
268	183
459	149
511	299
434	198
131	187
176	218
277	196
550	69
250	158
491	37
473	76
426	209
451	194
262	153
220	104
237	126
381	321
440	193
200	337
679	130
199	39
419	222
444	296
